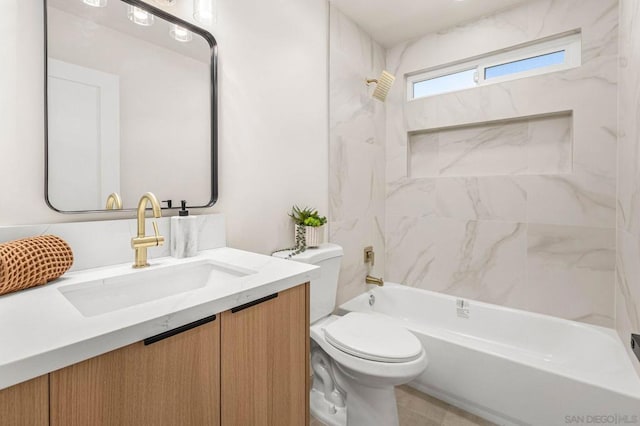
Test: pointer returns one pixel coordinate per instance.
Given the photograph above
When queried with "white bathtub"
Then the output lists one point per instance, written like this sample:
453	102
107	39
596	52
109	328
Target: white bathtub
511	366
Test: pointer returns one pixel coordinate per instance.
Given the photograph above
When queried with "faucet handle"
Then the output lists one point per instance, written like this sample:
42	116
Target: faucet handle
158	237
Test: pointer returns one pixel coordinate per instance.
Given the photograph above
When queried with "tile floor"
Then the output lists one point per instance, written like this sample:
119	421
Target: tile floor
418	409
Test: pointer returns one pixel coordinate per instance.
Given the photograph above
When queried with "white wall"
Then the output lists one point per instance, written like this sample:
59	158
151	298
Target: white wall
273	85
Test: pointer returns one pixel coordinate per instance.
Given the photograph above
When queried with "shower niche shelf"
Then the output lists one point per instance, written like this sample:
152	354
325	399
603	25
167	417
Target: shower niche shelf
534	145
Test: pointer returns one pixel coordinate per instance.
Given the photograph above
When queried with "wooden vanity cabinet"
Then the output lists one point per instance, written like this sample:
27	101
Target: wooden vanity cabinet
26	404
174	381
264	361
245	367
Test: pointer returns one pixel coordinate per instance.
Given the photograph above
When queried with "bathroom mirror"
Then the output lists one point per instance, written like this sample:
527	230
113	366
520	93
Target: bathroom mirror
130	106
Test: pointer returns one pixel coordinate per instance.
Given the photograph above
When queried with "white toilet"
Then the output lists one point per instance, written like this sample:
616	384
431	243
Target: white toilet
357	359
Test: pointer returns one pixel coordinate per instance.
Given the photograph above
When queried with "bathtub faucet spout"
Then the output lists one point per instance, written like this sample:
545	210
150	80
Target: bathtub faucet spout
375	281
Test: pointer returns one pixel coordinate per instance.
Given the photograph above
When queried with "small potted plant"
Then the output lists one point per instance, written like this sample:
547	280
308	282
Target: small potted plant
309	231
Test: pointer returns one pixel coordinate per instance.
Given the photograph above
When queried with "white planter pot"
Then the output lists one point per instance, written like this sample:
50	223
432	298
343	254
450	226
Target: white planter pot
313	235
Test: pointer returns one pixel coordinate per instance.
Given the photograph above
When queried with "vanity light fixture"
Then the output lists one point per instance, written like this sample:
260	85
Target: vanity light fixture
139	16
203	11
180	33
96	3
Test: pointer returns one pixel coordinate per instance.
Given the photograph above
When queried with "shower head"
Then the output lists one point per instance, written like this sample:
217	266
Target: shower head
383	84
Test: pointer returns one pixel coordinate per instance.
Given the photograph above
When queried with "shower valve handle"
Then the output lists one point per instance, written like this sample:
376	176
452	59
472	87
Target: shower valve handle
369	255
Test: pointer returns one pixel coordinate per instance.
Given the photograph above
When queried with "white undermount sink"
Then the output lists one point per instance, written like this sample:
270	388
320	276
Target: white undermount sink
111	294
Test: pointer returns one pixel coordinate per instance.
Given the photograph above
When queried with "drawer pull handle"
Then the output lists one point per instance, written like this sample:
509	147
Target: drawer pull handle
255	302
153	339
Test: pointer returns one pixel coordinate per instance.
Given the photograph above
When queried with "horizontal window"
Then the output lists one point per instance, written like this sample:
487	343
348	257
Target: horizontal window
446	83
559	53
541	61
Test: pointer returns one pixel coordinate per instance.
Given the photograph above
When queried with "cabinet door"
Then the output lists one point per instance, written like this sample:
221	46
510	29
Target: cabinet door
264	363
26	404
174	381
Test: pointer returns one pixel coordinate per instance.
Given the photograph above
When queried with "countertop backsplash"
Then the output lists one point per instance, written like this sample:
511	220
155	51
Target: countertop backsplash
108	242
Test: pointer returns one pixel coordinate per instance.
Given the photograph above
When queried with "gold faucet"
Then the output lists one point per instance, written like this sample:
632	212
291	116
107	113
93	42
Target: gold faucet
114	202
373	280
142	242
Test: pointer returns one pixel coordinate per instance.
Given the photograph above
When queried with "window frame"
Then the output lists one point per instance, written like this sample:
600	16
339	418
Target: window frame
570	43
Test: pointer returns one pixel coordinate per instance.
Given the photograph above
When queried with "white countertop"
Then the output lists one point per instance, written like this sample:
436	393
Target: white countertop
41	331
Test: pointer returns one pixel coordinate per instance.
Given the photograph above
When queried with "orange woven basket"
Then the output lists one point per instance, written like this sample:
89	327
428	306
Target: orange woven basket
34	261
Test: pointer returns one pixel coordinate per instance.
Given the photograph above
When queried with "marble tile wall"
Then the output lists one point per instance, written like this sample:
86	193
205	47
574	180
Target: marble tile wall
537	232
356	152
628	241
529	146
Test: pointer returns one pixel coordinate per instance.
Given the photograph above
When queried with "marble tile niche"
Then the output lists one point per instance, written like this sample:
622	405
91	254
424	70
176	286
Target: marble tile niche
522	146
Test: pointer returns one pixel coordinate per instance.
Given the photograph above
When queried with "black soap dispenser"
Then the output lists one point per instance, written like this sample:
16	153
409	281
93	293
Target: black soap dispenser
184	233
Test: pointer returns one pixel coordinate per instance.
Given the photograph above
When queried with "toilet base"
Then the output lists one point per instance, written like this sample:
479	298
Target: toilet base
368	407
326	412
343	397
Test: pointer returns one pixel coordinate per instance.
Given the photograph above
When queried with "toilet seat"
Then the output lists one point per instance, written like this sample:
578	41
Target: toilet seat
374	373
372	338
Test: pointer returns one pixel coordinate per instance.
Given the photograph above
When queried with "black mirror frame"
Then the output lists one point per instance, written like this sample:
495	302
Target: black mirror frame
213	67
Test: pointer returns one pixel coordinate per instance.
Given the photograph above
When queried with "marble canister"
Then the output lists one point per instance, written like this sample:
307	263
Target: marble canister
184	236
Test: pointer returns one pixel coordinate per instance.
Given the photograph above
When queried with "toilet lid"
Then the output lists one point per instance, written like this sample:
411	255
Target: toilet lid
372	337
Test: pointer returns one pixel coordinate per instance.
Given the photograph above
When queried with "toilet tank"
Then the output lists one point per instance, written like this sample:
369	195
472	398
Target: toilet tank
323	290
